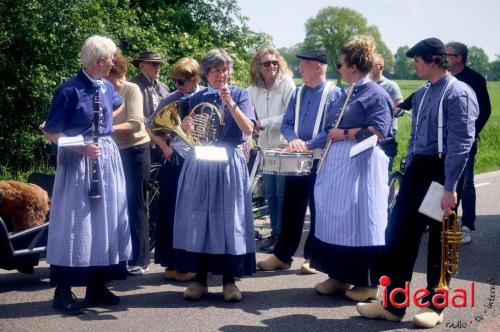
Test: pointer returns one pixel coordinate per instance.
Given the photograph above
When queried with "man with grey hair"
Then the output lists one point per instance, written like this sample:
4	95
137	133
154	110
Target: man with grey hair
89	236
302	122
390	146
457	58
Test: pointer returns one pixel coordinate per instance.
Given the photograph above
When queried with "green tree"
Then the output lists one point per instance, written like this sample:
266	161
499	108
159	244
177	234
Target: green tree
403	66
333	27
494	70
478	60
40	41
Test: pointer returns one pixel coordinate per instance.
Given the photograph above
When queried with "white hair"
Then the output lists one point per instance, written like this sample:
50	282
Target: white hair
96	47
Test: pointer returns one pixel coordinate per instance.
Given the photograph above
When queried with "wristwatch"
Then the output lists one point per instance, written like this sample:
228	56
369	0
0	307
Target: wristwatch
346	133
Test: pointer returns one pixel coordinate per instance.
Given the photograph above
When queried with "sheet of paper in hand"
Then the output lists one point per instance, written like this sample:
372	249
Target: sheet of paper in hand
69	141
363	146
210	153
431	204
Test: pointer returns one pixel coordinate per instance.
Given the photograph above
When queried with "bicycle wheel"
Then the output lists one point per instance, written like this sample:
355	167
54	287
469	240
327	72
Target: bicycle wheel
394	183
152	202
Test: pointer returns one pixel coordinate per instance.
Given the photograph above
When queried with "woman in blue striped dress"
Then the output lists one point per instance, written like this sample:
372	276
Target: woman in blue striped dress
89	238
213	224
351	193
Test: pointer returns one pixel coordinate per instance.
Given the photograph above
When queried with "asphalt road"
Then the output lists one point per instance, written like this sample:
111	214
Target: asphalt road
272	301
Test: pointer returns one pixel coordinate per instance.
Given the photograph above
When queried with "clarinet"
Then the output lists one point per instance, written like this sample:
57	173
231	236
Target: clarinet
95	190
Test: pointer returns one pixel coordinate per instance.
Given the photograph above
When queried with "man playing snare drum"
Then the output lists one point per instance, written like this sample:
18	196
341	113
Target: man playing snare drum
302	121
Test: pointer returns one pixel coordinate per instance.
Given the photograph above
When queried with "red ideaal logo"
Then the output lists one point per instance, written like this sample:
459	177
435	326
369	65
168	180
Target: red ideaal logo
440	299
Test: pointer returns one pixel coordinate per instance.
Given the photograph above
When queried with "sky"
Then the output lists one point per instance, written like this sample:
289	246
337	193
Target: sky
400	22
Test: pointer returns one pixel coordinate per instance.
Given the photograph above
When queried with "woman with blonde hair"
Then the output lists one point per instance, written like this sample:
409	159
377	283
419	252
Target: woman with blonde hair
351	193
185	74
271	86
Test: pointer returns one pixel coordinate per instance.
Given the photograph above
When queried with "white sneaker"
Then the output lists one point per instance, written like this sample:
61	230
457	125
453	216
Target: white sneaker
137	270
466	235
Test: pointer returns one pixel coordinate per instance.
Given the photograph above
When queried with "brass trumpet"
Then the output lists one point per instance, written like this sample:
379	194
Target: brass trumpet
451	236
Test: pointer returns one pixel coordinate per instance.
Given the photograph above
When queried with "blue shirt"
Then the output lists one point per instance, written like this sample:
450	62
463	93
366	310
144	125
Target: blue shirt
370	105
71	111
310	100
231	132
460	110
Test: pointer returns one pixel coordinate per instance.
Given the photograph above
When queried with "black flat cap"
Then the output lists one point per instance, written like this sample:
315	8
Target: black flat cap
317	55
427	47
148	56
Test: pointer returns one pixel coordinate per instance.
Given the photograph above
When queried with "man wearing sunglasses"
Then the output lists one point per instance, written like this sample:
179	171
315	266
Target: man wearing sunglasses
457	58
152	89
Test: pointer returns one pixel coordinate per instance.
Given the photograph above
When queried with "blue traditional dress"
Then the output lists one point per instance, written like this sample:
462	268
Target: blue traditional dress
213	217
351	194
88	238
165	254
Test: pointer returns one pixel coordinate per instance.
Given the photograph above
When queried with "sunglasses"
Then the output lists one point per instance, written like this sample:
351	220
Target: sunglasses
180	81
269	63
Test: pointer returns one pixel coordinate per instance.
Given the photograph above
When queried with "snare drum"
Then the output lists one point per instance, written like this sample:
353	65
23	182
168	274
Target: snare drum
276	162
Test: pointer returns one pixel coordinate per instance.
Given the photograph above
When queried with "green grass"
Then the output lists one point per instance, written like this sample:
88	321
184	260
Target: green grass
488	156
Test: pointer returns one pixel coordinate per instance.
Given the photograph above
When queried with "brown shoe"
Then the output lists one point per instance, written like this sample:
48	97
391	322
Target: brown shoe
307	269
195	291
231	293
179	276
427	318
272	263
331	286
362	294
375	310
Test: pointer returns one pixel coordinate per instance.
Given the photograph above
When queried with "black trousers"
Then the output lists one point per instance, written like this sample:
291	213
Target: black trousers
299	193
136	165
406	226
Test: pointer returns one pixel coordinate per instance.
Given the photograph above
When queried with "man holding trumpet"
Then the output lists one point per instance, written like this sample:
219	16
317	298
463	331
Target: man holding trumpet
442	134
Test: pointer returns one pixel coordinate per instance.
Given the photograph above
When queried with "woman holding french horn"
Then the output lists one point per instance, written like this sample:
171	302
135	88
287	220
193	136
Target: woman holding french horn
351	193
213	224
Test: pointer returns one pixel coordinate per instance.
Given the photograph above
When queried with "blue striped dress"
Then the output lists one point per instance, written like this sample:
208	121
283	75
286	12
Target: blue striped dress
88	238
213	218
351	194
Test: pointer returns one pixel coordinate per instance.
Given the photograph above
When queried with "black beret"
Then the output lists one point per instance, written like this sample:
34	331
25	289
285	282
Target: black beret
317	55
427	47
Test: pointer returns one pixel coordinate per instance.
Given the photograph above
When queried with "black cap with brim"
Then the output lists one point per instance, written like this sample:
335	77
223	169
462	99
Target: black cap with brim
427	47
316	55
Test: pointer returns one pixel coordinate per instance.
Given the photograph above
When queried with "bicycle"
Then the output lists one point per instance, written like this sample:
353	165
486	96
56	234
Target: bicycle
152	200
396	176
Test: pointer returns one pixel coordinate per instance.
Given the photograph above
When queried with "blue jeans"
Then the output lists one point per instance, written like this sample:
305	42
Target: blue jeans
468	194
274	189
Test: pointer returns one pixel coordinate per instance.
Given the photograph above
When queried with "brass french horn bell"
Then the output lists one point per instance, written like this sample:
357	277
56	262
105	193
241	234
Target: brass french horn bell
169	119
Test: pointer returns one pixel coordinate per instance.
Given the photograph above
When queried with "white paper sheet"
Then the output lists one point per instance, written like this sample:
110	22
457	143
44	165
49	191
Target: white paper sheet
210	153
68	141
431	204
363	146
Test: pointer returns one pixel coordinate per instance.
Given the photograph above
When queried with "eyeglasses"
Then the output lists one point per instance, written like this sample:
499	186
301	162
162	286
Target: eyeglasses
339	65
452	54
269	63
180	81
